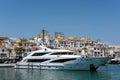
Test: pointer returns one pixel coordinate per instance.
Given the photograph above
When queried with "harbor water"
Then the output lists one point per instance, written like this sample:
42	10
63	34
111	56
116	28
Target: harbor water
109	72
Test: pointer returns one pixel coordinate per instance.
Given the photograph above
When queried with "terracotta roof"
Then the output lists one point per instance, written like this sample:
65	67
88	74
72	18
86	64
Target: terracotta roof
60	37
72	38
85	40
1	46
28	43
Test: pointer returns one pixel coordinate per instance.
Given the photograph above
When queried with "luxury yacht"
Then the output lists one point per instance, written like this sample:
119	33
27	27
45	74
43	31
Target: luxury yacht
59	59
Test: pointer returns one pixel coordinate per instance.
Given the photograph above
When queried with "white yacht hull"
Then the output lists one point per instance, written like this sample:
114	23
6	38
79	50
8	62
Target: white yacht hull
82	63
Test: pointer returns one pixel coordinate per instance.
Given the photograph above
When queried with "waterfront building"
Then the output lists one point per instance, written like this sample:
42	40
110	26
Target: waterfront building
6	47
73	43
23	47
10	47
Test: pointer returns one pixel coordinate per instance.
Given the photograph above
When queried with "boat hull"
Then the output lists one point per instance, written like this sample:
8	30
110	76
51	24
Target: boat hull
83	63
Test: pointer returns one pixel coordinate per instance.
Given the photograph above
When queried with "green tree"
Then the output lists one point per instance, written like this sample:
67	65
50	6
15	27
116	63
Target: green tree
9	50
19	51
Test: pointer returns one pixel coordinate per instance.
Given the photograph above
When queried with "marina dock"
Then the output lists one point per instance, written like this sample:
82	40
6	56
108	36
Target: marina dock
7	65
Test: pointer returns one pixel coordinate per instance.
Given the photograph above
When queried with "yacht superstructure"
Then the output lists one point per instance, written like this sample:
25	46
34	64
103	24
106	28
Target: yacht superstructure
61	60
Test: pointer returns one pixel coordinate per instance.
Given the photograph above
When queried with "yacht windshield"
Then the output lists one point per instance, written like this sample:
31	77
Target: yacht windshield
62	53
39	54
62	60
37	60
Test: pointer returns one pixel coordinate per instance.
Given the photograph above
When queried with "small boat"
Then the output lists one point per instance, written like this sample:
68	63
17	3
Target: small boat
59	59
114	61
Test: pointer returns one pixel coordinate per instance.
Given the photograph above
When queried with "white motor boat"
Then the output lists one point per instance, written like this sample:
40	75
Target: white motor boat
58	59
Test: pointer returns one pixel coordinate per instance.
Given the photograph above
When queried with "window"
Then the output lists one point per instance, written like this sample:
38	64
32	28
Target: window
62	53
62	60
39	54
37	60
3	50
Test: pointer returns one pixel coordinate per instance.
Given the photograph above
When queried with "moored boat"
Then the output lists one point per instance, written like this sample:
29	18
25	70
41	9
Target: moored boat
59	59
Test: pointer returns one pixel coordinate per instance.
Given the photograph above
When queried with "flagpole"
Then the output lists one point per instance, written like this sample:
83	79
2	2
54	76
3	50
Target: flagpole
43	32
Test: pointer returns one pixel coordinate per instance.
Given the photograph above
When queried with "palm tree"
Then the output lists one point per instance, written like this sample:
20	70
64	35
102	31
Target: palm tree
19	51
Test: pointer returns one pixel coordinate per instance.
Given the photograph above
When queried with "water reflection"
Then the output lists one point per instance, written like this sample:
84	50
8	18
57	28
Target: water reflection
10	74
23	74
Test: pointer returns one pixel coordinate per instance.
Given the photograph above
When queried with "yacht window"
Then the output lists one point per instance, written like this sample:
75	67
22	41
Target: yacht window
39	54
62	60
37	60
62	53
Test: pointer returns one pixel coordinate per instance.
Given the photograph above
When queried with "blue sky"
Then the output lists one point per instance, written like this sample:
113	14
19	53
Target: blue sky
96	19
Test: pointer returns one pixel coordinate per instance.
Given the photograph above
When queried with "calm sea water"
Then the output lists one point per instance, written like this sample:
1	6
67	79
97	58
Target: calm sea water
109	72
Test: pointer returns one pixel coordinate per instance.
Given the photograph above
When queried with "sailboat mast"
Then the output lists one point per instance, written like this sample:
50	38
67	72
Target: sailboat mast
43	32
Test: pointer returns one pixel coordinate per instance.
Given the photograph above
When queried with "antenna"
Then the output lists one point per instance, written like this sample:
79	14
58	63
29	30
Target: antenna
43	32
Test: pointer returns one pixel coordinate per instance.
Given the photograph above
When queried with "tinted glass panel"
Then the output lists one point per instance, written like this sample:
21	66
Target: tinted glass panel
62	53
62	60
37	60
39	54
